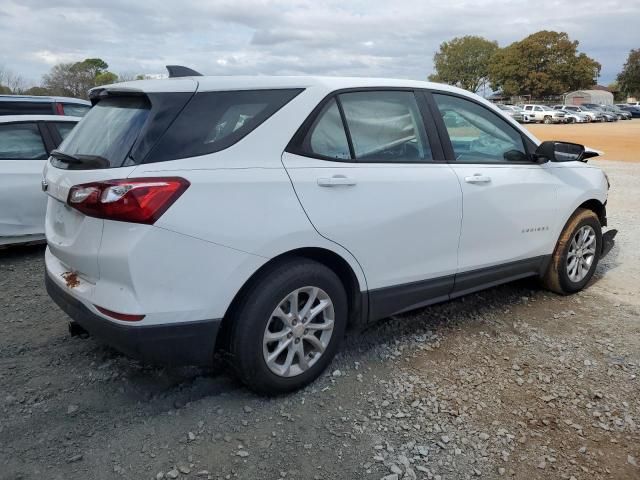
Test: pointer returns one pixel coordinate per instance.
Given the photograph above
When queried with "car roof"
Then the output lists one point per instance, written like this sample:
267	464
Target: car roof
259	82
42	99
35	118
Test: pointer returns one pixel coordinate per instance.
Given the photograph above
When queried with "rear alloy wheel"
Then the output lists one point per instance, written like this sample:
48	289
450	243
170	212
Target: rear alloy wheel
576	256
547	120
288	327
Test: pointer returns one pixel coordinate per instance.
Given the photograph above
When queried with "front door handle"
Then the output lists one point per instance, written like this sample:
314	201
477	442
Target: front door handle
336	181
477	178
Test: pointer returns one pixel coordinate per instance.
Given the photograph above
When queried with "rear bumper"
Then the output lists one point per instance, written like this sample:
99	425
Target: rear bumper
184	343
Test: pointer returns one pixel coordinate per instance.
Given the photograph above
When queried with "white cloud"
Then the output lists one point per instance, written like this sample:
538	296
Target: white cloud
331	37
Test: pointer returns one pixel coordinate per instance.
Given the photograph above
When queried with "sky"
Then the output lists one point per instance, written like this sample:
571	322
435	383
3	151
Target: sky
376	38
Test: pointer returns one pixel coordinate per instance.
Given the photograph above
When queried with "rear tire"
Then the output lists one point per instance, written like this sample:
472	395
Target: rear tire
278	347
576	255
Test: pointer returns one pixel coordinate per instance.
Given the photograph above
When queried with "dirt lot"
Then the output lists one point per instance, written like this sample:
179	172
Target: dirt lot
619	140
513	382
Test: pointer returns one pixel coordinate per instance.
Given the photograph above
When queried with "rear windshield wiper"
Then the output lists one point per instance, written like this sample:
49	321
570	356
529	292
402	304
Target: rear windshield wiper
65	157
81	161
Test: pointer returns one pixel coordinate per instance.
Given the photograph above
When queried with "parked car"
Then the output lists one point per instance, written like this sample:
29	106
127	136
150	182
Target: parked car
42	105
542	113
608	116
514	112
298	206
634	111
634	104
572	117
594	115
25	144
621	114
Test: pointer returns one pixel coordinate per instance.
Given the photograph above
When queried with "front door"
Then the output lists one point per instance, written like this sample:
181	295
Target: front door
377	188
509	201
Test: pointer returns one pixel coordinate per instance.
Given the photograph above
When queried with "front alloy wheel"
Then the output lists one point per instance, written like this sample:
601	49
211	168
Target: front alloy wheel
581	254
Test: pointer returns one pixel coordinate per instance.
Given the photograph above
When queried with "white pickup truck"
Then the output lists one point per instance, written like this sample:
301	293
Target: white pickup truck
542	113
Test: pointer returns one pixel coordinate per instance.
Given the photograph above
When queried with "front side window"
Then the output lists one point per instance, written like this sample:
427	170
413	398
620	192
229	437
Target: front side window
385	126
477	134
21	141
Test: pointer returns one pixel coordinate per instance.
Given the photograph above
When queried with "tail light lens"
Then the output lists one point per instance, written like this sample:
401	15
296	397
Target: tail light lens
125	317
137	200
59	108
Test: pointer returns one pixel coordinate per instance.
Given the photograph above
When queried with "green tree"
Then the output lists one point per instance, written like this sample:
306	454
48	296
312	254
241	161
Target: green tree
629	77
464	62
37	91
544	63
76	79
4	90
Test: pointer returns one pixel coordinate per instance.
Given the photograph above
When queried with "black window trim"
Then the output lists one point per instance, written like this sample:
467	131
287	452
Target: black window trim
53	130
47	141
528	145
296	144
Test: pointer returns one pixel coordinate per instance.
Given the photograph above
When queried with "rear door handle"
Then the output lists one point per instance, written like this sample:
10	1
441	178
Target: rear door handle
336	181
477	178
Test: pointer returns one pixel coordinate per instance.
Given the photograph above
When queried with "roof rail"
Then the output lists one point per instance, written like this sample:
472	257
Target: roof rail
176	71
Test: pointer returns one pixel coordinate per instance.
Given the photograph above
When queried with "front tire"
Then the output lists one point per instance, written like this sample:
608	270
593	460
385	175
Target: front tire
576	255
547	120
288	326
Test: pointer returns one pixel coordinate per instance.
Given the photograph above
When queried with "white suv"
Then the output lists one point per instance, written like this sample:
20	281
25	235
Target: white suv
261	216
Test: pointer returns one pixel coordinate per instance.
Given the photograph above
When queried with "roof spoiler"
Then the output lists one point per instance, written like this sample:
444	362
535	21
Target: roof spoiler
176	71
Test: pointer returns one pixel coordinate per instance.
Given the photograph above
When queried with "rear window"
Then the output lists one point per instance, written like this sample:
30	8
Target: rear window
107	133
213	121
75	109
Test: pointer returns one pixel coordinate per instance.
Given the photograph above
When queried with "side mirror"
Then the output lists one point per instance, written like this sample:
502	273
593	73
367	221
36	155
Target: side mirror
552	151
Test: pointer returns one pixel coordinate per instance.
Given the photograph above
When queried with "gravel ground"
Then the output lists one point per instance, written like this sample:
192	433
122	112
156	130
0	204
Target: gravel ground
512	382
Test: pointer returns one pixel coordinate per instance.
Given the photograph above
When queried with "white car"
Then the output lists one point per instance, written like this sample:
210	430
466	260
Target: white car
264	215
25	144
544	114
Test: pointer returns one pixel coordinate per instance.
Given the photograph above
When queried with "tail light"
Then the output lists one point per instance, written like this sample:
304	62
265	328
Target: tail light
137	200
59	108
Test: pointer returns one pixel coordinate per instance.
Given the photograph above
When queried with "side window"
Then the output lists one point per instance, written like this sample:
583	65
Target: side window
63	128
327	137
385	126
75	109
21	141
479	135
538	109
213	121
25	108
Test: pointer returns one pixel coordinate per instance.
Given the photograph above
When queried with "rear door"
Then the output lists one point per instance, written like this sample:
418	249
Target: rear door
371	179
509	200
23	153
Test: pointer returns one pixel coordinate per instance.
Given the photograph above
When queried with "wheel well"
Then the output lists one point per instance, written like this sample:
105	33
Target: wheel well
326	257
598	208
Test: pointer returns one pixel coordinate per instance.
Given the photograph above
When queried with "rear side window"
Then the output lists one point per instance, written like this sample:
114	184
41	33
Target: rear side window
21	141
385	126
107	133
26	108
327	137
213	121
75	109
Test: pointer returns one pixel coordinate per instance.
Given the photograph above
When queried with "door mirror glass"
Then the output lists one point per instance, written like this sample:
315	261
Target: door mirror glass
560	152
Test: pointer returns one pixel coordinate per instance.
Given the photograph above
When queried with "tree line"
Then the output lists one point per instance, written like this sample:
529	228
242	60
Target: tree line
543	64
73	79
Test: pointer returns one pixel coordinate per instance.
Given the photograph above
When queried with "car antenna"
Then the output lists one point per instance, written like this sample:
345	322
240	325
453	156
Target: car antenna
176	71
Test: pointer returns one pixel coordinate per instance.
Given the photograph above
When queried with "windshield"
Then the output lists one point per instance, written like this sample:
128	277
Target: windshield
108	131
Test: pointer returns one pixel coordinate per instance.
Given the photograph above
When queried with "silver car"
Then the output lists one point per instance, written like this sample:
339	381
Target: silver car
595	115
